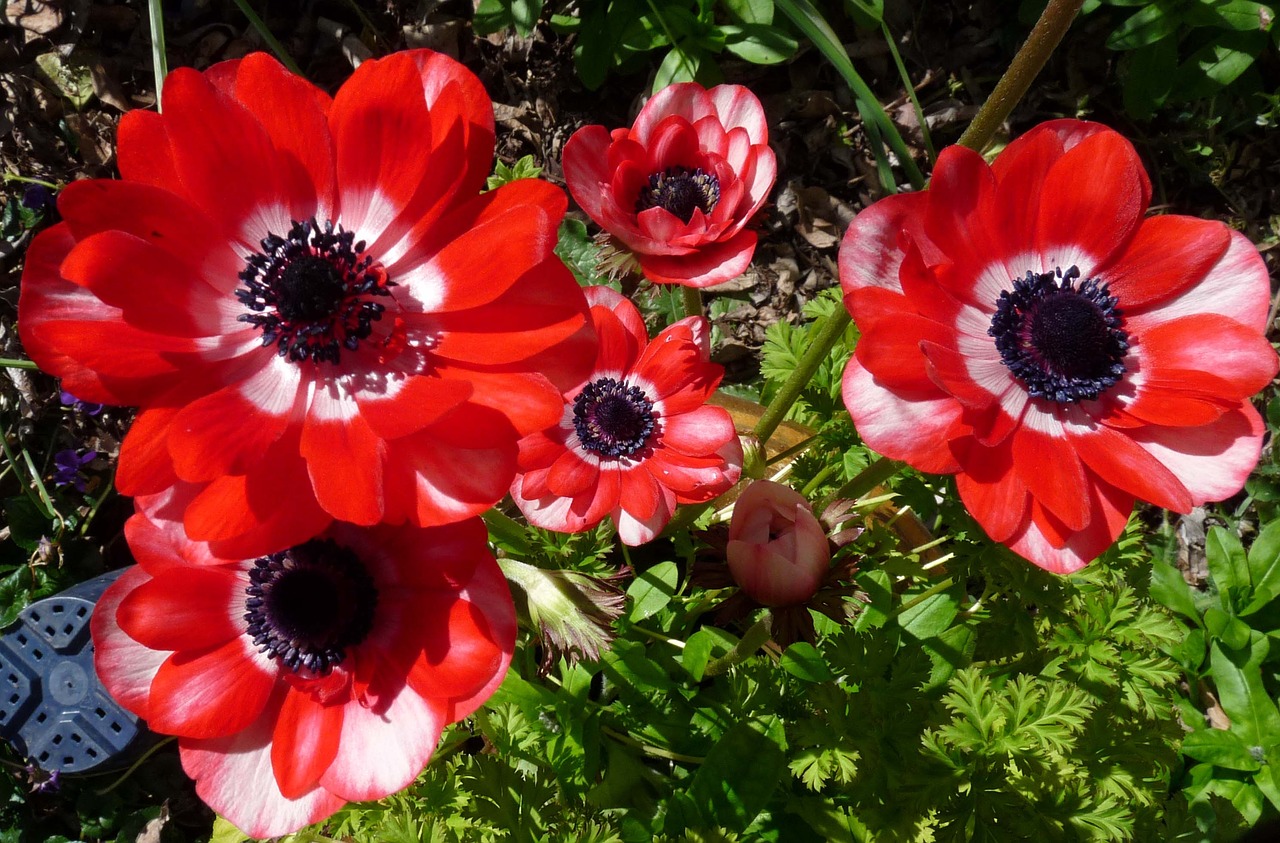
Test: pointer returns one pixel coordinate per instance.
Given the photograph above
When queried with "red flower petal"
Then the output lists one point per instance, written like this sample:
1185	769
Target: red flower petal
711	264
914	427
698	432
344	459
304	742
991	490
186	609
211	693
401	738
234	776
1167	255
125	667
1059	553
1212	460
1099	193
1120	461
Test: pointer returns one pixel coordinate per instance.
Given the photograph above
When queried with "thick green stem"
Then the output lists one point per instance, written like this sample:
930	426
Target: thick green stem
692	301
1024	68
16	363
753	639
822	339
864	481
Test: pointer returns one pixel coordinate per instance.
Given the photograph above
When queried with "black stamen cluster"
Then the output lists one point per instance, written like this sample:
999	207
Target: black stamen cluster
1064	342
680	191
305	606
307	291
612	418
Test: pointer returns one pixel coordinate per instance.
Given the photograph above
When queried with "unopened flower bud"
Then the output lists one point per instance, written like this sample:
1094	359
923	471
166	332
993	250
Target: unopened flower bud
778	552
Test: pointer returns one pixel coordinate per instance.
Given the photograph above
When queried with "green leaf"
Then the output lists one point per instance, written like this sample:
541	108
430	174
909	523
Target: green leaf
759	44
72	79
1264	567
1254	716
579	252
1228	565
1170	590
592	56
27	524
1147	26
1228	629
653	589
803	661
930	616
680	65
750	11
1148	76
1220	747
525	168
225	832
1216	65
1238	15
740	773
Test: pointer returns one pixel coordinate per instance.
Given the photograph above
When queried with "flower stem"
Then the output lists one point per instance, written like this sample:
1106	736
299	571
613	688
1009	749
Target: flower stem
692	301
1024	68
507	530
864	481
753	639
822	339
8	177
16	363
650	749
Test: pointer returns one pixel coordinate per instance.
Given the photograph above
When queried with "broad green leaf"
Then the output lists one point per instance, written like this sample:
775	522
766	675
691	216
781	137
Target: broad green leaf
1238	677
1147	26
72	79
1148	76
225	832
652	590
750	11
803	661
1216	65
1170	590
1228	629
1238	15
1264	567
876	585
628	663
1228	565
759	44
696	653
579	252
1220	747
930	616
740	773
948	652
680	65
592	56
27	524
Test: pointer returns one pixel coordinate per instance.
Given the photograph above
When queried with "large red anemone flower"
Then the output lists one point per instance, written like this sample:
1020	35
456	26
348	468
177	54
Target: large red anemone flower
679	187
637	436
310	677
1027	329
318	313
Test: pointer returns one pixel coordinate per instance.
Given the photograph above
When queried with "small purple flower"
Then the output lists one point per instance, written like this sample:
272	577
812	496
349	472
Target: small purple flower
41	780
86	407
67	468
37	197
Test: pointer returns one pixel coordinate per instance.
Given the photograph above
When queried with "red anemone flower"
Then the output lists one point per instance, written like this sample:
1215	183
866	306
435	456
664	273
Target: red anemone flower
310	677
679	187
1025	328
319	315
637	436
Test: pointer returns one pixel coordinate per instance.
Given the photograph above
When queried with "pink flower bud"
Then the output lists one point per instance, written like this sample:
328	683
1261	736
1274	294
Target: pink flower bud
777	550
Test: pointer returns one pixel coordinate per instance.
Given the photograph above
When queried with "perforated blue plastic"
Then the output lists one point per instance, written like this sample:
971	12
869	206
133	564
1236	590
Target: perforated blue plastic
52	706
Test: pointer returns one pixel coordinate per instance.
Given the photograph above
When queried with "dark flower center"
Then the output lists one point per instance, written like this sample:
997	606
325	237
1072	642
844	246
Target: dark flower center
305	606
1064	342
310	291
680	191
612	418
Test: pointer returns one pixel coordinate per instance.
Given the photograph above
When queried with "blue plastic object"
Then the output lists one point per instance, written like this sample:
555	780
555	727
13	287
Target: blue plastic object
52	706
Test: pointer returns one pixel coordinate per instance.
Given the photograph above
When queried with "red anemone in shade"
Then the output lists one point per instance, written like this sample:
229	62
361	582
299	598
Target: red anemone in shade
679	187
316	310
1027	329
637	436
310	677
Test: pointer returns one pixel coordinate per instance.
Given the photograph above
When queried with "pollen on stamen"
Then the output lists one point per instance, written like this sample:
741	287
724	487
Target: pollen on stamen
310	292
